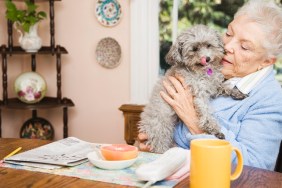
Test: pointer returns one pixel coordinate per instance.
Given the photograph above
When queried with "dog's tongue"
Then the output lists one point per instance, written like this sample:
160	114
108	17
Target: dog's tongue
203	61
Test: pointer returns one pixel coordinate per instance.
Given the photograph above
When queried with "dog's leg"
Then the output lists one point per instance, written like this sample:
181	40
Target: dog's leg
235	93
207	122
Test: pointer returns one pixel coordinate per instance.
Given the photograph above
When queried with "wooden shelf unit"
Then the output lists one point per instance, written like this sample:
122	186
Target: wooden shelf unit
8	51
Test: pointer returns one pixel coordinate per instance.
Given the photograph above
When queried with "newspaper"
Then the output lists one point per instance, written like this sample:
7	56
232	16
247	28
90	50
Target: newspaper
70	151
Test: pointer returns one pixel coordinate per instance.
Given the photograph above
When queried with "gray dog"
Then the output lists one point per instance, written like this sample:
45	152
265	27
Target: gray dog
196	56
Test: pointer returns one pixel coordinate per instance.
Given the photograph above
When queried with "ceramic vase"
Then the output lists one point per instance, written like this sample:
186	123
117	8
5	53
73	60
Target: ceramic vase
30	41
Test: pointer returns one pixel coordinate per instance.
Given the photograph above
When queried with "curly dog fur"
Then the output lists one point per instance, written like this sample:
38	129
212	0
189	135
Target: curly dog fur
196	56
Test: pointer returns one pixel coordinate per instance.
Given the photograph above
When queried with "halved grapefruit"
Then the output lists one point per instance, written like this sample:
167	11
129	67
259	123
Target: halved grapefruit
117	152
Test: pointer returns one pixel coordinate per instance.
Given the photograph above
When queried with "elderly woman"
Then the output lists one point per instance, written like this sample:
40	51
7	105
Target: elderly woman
253	42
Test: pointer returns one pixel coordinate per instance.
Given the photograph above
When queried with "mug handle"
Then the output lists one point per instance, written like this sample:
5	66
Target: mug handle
239	167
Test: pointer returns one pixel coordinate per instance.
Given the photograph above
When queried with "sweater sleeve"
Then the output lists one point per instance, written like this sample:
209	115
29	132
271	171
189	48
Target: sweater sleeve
183	137
257	134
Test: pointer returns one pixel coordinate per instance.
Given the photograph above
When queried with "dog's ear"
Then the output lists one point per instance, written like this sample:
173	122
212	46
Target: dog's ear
220	41
174	56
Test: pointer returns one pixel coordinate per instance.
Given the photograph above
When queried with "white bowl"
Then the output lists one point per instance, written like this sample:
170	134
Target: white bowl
96	160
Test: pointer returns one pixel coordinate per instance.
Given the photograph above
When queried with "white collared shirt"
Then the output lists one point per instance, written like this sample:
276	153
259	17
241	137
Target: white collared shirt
247	83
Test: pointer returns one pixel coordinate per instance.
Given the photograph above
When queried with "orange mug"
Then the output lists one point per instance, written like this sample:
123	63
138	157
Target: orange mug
211	163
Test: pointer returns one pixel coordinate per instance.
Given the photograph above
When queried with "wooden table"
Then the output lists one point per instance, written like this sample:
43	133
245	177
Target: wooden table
12	178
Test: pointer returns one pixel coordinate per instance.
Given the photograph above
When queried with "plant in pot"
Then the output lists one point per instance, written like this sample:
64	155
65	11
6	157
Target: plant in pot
26	23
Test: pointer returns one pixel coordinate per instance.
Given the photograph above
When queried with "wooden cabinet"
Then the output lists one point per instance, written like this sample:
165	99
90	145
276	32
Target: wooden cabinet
48	102
131	114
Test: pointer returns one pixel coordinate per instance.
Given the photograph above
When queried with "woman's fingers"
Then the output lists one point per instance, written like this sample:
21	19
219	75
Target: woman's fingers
177	84
170	89
182	81
177	88
167	98
143	147
180	98
142	138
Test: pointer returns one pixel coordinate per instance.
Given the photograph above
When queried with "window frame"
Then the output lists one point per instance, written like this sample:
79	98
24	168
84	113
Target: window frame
144	70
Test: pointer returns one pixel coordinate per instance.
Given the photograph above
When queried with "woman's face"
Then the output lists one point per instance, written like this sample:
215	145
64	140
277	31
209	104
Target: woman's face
244	51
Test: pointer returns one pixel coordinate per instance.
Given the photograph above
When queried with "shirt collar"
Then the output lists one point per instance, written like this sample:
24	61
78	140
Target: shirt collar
247	83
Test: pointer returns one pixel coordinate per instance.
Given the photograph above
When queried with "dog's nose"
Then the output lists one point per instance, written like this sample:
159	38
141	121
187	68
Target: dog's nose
208	59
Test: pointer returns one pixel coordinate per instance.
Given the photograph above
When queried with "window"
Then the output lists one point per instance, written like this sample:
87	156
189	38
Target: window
151	35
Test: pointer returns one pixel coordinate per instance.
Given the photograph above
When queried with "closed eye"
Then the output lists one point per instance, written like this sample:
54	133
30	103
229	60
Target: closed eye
227	34
244	48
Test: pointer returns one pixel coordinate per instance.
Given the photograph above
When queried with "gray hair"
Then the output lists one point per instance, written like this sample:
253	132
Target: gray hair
268	15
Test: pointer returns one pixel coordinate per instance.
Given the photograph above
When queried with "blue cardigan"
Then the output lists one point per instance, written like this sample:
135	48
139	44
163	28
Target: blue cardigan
253	125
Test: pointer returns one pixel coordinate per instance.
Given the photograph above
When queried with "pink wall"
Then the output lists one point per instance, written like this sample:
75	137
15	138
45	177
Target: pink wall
97	92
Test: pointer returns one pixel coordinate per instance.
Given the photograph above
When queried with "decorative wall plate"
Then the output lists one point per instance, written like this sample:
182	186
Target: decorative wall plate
37	128
108	12
108	53
30	87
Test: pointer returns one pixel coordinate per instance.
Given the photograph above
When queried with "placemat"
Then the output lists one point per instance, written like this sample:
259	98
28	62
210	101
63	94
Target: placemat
90	172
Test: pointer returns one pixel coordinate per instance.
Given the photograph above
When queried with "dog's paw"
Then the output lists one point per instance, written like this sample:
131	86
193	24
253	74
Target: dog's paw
237	94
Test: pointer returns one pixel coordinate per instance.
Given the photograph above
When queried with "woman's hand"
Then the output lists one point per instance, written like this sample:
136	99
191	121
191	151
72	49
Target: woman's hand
142	139
180	98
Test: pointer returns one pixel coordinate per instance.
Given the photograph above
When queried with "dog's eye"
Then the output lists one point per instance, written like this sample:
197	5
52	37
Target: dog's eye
209	45
195	49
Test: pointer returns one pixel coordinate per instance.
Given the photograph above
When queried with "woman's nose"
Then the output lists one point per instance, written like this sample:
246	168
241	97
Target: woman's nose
229	46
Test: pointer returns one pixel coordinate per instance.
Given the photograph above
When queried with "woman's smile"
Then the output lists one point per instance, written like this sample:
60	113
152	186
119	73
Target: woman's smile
225	61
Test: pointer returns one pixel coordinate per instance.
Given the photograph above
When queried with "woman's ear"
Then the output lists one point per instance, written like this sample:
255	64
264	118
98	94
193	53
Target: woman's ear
269	61
174	56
